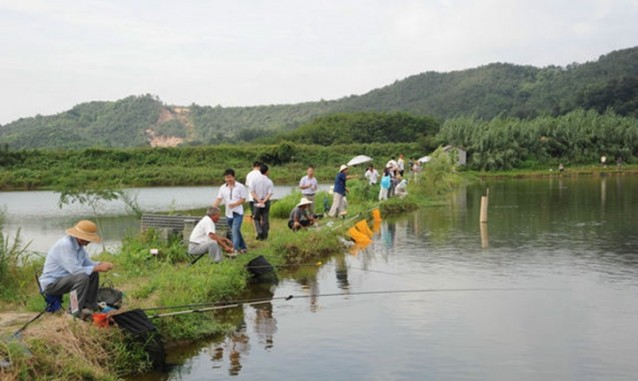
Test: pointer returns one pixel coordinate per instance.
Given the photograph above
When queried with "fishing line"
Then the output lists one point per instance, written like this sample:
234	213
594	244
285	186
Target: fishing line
236	303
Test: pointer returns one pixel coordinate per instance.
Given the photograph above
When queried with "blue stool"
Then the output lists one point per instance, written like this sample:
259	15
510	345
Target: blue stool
53	302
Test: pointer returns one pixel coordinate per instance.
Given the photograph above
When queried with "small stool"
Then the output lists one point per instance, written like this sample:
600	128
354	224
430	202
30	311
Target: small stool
53	302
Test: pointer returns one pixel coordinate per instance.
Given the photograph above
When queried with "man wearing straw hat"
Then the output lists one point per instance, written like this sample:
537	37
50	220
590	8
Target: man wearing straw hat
339	192
67	266
299	216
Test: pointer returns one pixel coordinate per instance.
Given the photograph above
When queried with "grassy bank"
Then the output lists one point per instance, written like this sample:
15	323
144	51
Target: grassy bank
549	171
167	280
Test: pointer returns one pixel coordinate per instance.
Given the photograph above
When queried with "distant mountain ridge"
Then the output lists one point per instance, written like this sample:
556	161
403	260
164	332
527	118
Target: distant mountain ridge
483	92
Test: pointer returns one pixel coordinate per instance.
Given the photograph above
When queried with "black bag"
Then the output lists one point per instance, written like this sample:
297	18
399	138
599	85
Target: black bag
141	329
109	295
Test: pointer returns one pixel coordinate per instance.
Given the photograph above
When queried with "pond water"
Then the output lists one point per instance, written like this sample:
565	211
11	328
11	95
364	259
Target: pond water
42	222
547	292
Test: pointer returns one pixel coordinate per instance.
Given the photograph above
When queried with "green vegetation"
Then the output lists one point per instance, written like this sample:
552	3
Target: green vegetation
579	137
502	143
486	92
366	128
16	266
91	168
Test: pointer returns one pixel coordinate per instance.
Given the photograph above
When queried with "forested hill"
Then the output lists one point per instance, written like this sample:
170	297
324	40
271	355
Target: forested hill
483	92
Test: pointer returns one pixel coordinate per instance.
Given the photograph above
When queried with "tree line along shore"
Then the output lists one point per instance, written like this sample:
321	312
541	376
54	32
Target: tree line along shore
576	139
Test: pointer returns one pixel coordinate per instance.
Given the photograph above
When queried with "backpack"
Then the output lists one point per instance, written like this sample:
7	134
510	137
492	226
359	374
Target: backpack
385	182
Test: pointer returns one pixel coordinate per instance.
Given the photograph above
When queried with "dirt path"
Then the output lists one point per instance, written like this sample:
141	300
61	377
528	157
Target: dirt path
12	321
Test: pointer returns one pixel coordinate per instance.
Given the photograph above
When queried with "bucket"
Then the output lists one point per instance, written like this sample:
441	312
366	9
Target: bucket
101	320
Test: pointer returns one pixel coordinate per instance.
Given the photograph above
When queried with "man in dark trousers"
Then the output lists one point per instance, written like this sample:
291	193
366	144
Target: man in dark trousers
67	267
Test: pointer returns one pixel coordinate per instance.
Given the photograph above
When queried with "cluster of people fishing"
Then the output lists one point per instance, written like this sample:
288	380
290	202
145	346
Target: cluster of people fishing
394	181
68	268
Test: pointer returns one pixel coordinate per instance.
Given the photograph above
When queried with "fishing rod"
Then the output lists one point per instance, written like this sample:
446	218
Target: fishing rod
358	215
212	306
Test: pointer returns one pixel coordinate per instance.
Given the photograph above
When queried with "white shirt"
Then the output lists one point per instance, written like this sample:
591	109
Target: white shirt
392	164
262	186
231	195
308	181
201	230
252	175
372	176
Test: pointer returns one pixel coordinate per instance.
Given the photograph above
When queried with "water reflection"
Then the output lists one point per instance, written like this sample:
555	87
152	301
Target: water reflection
561	253
341	271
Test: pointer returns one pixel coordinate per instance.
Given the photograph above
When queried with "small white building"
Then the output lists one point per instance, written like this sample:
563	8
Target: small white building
459	156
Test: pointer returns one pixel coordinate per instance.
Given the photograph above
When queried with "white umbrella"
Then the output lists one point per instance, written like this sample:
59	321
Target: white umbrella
425	159
359	160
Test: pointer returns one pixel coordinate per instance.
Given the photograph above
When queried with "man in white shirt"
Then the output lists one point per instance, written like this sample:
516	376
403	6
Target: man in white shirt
308	185
261	190
204	239
252	175
372	175
233	194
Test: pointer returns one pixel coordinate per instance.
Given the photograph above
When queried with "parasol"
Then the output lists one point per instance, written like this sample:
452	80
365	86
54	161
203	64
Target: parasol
359	160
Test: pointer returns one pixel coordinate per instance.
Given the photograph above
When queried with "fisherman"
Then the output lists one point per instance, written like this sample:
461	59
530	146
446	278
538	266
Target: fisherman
299	216
67	267
401	189
204	239
339	192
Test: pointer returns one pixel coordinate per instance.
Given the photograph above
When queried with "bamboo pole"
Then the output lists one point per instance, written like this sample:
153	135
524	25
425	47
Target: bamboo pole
485	240
483	217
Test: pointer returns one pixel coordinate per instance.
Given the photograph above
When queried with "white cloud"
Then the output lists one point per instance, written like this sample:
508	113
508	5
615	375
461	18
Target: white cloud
56	54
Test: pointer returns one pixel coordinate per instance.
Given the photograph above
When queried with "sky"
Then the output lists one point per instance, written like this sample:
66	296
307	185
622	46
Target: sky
55	54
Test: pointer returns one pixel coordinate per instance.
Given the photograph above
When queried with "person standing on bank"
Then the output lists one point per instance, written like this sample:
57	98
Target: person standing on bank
233	194
339	192
308	185
372	175
204	239
67	267
261	190
250	177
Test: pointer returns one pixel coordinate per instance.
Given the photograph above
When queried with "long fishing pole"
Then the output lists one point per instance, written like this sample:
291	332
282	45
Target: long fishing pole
236	303
358	215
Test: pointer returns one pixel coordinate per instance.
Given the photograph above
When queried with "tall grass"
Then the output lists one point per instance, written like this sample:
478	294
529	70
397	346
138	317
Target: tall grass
15	266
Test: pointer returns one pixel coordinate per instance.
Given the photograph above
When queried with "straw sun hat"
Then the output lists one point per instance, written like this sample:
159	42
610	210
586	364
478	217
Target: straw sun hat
304	201
86	230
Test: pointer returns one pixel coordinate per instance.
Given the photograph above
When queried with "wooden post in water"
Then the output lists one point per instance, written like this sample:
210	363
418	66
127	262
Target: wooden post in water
485	240
484	202
483	219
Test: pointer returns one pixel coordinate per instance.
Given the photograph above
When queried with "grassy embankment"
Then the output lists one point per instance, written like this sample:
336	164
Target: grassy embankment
167	280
